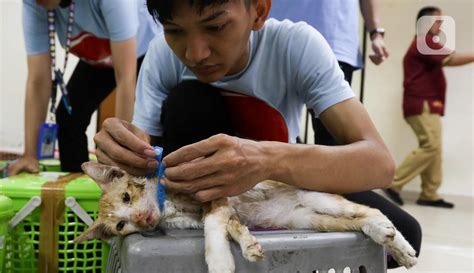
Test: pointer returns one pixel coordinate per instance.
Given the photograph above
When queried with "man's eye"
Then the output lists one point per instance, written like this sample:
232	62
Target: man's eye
120	225
126	197
216	28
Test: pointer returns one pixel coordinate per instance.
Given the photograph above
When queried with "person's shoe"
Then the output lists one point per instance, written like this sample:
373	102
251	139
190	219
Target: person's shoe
438	203
394	196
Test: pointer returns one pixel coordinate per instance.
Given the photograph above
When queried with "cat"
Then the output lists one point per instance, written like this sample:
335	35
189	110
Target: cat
128	204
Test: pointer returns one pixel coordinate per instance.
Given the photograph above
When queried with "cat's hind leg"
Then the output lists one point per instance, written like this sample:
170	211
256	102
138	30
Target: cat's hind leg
251	249
329	212
375	225
218	256
371	222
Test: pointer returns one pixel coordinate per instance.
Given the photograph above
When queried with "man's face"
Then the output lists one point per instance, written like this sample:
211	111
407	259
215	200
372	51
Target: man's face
213	43
49	4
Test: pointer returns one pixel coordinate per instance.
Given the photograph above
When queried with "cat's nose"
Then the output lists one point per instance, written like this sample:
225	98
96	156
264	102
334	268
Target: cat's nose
138	216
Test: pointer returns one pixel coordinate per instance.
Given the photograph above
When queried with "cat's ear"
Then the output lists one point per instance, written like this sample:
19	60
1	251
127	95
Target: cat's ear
96	231
102	174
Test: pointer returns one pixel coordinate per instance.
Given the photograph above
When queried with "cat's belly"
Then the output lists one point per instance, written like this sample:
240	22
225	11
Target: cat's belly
183	221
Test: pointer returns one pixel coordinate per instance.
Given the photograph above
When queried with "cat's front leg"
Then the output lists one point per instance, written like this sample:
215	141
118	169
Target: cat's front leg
219	258
251	248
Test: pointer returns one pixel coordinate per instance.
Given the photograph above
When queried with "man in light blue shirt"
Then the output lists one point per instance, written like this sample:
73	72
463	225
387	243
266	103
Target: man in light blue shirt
110	37
338	22
269	70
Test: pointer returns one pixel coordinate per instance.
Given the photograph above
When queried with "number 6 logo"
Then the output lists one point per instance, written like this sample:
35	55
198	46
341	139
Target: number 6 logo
436	35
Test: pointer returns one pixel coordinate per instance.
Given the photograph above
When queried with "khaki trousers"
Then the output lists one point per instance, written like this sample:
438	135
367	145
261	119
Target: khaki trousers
426	159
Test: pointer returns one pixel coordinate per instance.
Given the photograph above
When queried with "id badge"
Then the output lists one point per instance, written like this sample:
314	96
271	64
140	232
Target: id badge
48	135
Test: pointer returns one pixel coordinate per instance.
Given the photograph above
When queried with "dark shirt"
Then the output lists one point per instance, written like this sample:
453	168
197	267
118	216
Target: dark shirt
424	79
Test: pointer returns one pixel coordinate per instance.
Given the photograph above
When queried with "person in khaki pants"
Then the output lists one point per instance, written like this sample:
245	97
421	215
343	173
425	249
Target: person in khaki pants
423	105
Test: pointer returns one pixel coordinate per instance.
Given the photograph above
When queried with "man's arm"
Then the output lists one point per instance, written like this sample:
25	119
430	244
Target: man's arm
370	10
38	92
125	67
458	59
363	162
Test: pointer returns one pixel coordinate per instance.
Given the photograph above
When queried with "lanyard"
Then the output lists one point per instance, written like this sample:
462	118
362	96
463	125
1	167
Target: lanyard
57	75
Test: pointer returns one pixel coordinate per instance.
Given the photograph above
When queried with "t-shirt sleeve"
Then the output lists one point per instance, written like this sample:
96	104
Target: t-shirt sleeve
35	28
318	78
121	18
159	73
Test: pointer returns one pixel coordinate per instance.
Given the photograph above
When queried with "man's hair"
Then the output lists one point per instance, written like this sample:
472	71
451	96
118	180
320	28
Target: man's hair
427	11
162	9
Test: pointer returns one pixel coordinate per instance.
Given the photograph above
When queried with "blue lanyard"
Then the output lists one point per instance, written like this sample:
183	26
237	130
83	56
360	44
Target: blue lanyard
160	171
56	73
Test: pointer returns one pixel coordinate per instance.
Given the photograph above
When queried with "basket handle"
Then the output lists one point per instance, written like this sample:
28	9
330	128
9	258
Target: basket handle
78	210
34	202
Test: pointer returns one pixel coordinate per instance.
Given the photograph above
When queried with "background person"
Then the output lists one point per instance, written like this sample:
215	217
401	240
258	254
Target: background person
424	100
110	37
338	22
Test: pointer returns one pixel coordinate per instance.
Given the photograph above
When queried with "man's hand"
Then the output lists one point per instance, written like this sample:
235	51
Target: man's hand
217	167
119	143
26	163
380	50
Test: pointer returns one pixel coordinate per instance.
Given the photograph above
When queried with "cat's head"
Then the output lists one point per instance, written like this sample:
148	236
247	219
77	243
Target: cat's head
127	203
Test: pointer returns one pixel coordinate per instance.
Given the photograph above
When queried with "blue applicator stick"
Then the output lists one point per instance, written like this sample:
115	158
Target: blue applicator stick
160	171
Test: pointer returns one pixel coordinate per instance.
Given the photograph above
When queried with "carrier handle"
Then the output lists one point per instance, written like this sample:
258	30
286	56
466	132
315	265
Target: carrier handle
78	210
34	202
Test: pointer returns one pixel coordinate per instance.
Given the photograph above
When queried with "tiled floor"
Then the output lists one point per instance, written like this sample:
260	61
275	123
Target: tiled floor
448	236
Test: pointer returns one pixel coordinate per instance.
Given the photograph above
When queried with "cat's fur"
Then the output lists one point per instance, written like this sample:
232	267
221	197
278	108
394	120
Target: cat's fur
268	204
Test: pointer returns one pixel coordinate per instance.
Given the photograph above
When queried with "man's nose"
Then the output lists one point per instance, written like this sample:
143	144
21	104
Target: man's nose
197	49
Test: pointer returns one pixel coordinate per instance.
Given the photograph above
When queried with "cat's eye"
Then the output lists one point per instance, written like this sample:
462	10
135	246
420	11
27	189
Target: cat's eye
120	225
126	197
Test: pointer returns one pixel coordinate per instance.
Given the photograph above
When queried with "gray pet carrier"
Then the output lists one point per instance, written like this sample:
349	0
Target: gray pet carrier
182	251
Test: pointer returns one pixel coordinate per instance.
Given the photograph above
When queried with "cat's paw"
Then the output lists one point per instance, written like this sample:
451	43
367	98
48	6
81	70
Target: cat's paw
253	252
407	260
402	251
251	248
382	232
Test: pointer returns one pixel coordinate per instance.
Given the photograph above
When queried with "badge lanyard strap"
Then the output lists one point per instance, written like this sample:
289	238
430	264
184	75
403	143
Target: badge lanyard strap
56	73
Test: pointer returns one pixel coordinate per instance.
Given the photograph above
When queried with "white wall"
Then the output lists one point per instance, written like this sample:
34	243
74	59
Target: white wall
383	90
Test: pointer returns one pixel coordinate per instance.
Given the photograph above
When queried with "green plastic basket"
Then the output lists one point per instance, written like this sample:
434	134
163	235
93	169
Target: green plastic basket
50	165
6	213
22	244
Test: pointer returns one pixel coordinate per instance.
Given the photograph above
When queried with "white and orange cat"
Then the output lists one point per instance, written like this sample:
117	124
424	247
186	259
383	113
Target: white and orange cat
128	204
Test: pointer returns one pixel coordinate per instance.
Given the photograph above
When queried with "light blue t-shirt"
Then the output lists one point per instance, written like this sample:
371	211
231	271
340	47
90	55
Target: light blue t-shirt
96	23
290	65
336	20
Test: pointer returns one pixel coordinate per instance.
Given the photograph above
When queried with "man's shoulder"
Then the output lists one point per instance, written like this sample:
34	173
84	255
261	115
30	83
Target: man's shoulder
289	32
159	46
290	37
286	26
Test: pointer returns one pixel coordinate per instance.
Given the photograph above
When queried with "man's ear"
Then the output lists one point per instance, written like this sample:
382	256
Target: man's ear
263	10
96	231
103	175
